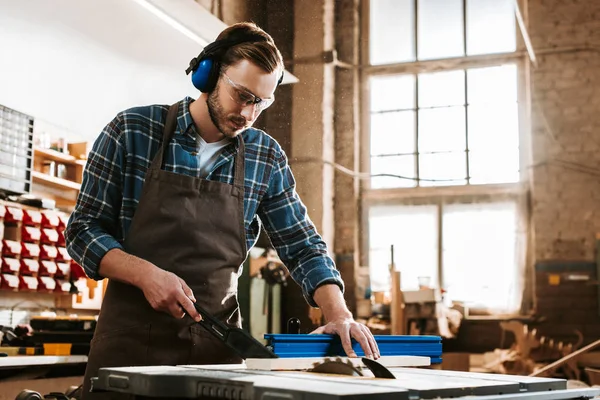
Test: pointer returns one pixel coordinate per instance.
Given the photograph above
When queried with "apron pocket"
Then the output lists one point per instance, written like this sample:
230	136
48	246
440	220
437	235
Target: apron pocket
98	336
169	344
127	346
210	350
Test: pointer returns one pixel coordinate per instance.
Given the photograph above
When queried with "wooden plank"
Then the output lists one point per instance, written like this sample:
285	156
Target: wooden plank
528	383
299	364
565	359
397	306
56	156
419	385
53	181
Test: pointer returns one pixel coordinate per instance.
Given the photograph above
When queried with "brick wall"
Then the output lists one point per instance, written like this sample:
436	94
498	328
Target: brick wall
566	163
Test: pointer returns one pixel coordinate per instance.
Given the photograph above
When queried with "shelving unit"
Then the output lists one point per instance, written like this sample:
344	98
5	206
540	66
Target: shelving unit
57	156
58	183
57	176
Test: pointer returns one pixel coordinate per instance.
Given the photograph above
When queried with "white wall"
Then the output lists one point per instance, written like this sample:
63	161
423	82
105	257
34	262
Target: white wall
67	72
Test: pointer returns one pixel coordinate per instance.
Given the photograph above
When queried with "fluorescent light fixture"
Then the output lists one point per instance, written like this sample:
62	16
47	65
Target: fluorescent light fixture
181	14
172	22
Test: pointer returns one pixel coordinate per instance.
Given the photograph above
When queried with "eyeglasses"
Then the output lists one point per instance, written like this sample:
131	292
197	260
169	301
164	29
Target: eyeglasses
244	98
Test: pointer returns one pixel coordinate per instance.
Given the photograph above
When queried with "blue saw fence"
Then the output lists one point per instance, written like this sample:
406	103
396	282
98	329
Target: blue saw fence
324	345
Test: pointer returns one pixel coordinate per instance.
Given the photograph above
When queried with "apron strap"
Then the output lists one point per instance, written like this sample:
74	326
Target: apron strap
168	132
240	167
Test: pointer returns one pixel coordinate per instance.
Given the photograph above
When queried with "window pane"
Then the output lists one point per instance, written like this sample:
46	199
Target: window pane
413	232
494	166
492	85
392	31
493	127
442	89
393	133
445	168
442	129
393	165
396	92
491	26
479	253
440	29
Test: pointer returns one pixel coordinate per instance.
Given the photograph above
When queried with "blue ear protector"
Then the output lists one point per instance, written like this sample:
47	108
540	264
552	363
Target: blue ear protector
206	67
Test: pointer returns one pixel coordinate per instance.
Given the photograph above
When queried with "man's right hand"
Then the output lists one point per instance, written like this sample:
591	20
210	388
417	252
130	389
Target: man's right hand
168	293
165	291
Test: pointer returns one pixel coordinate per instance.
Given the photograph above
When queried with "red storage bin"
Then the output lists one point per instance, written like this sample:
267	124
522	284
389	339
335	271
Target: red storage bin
29	266
77	271
28	283
11	248
30	250
32	217
62	254
62	286
10	265
61	242
50	220
48	252
46	284
48	268
30	234
62	222
63	269
9	282
49	236
13	215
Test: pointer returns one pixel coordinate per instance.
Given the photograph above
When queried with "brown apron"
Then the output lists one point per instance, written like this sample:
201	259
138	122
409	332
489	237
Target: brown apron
194	228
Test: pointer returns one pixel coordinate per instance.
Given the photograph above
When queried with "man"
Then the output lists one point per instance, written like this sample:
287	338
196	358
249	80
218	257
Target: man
169	208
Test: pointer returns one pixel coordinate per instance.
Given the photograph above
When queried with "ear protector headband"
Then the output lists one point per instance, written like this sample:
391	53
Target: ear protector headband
206	67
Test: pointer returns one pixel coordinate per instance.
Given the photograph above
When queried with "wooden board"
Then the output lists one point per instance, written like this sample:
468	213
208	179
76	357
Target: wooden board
298	364
527	383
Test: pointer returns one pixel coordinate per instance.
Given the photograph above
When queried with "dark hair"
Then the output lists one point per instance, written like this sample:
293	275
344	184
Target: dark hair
264	54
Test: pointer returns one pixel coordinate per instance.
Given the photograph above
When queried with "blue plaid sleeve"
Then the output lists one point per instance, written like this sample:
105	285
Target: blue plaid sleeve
293	234
93	225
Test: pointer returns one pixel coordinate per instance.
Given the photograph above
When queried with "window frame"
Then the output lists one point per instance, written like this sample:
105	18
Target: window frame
437	195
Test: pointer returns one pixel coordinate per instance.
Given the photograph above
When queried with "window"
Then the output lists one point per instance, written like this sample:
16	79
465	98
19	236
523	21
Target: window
412	231
416	30
443	113
478	243
445	128
479	254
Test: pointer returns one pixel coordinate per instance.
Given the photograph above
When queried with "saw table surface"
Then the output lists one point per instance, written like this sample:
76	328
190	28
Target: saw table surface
237	382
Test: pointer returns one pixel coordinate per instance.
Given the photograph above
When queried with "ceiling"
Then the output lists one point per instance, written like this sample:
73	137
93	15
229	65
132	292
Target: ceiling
165	33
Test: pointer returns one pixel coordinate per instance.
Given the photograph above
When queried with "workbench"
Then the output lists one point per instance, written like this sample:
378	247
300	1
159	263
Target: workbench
237	382
43	374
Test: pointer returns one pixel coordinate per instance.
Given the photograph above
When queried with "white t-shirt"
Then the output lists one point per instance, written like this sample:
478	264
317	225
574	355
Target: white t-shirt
207	154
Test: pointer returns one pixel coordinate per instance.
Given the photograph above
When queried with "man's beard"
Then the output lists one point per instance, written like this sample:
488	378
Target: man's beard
219	117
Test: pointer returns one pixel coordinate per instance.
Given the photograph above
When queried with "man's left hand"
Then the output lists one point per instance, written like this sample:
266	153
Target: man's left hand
348	328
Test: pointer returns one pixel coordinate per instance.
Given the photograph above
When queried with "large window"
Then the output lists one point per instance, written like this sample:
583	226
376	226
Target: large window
478	244
417	30
443	108
445	128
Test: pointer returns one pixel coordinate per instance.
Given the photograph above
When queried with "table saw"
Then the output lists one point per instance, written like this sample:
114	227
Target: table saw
239	382
282	370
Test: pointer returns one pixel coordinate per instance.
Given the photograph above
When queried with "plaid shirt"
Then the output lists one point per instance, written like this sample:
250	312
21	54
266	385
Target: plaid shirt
114	176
